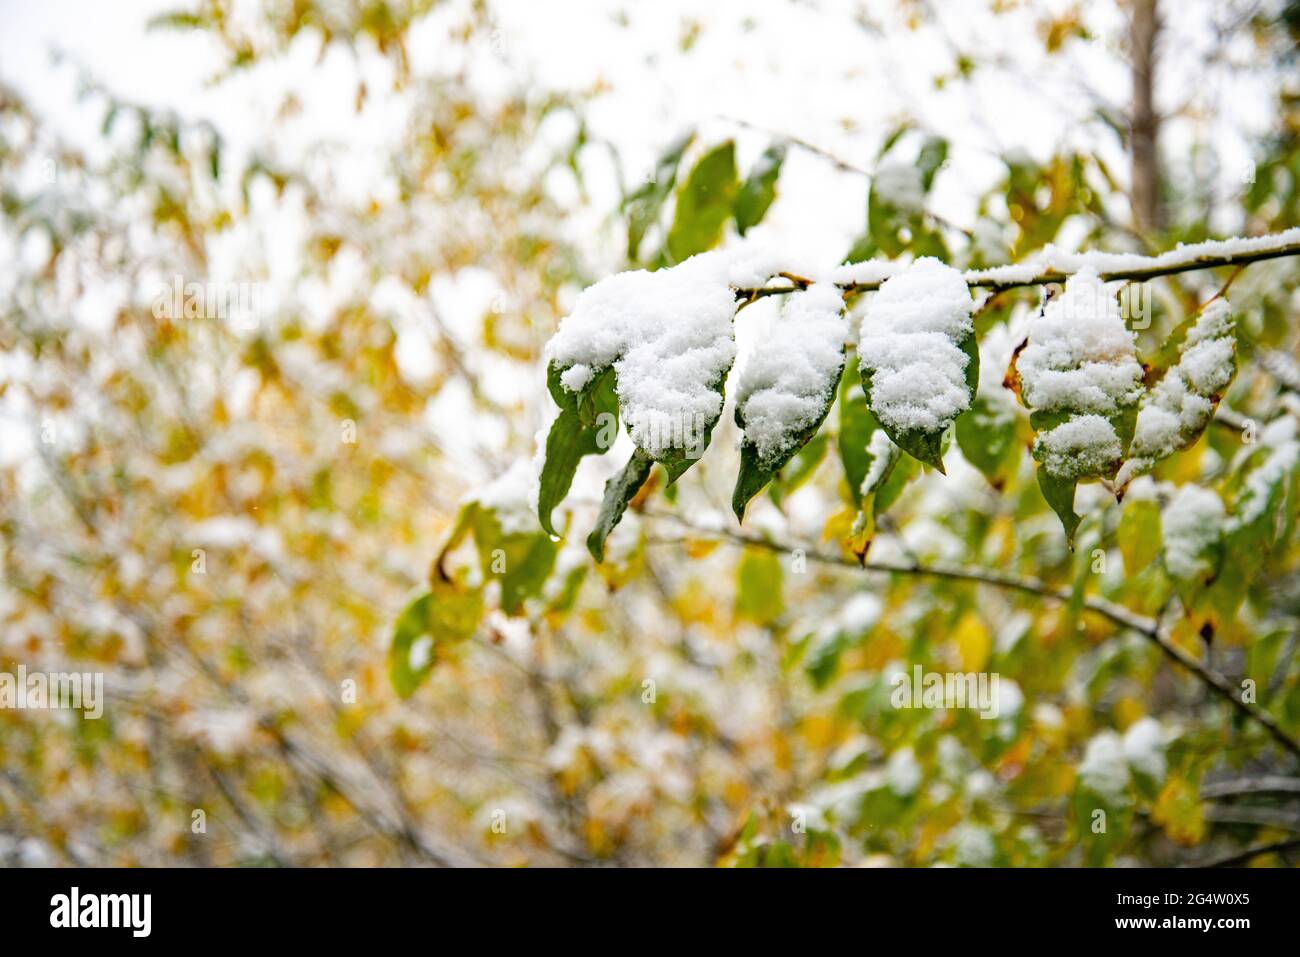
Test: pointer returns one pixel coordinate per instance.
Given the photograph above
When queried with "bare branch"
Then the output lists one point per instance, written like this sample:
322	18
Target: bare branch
1148	628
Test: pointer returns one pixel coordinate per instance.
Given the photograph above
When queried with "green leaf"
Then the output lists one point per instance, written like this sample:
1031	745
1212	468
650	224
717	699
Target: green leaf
643	205
934	153
987	438
759	189
754	473
856	426
927	447
704	203
618	492
1060	496
1139	534
759	579
442	616
521	561
587	425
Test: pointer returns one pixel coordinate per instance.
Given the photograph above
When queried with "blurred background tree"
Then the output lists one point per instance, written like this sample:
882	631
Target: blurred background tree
231	521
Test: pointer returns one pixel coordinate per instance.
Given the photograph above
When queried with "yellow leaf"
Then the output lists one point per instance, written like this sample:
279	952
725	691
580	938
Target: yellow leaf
1179	811
973	642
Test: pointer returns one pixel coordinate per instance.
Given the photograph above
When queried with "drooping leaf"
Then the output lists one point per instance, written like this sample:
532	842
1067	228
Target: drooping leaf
1139	534
642	206
759	188
1059	493
587	425
704	203
915	412
445	615
619	490
799	469
856	425
786	390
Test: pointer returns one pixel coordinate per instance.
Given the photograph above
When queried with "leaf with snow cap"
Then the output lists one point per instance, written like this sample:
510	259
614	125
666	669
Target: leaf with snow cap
587	425
1180	405
787	386
619	491
1078	374
668	337
918	357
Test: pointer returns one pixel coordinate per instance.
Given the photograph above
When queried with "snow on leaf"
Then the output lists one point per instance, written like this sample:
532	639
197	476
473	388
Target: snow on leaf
668	336
1079	375
917	356
787	386
1177	409
1194	522
1080	358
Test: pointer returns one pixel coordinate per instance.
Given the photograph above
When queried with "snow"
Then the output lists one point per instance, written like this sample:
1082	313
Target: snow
1193	522
883	452
1082	446
910	341
903	772
1080	357
1054	260
900	186
1144	748
1104	768
668	335
787	384
1262	480
1179	407
511	497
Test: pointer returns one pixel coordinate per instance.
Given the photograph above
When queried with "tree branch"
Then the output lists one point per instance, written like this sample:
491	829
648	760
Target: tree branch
1055	266
1148	628
1248	855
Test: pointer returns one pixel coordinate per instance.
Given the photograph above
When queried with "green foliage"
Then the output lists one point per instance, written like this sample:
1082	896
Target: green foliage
587	425
759	188
704	203
441	618
988	436
759	578
643	205
755	474
619	491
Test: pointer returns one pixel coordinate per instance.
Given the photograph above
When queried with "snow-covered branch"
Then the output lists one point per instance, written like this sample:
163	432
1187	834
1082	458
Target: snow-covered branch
1054	266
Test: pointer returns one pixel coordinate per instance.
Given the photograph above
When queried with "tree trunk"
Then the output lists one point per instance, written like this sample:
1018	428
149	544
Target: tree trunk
1148	210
